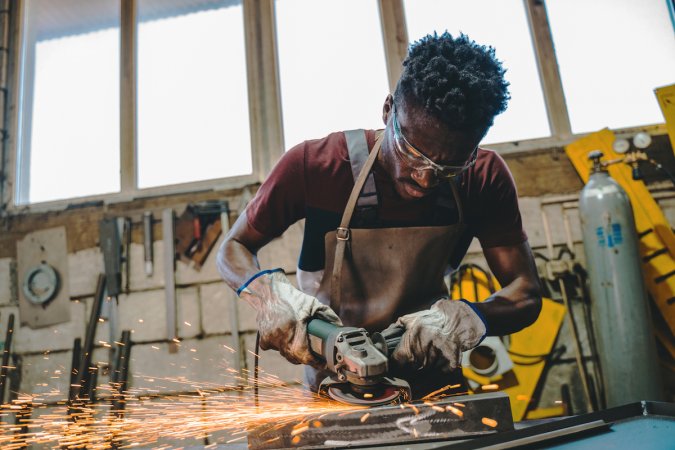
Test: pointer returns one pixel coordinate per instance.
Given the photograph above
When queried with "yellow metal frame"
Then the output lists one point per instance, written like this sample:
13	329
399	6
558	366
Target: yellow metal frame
666	97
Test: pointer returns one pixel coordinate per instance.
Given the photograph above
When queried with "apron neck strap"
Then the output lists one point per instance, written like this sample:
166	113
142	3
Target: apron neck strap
343	234
358	186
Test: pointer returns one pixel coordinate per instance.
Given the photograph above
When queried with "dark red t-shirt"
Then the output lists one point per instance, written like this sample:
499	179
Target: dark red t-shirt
313	181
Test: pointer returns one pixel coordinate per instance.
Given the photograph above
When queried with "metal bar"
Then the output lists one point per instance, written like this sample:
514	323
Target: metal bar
74	370
147	242
169	277
88	348
128	87
7	348
547	233
122	373
578	353
234	310
549	74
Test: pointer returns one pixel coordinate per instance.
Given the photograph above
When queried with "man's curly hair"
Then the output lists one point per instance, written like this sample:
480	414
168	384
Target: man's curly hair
454	80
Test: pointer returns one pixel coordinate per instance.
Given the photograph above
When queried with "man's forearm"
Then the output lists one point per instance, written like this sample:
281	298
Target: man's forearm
236	264
506	316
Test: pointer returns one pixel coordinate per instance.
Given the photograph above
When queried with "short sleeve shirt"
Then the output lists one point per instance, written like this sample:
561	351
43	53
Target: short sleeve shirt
314	179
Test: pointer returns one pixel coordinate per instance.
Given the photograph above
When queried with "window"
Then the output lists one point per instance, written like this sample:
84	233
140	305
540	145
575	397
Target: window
612	54
331	65
193	119
505	28
216	83
69	102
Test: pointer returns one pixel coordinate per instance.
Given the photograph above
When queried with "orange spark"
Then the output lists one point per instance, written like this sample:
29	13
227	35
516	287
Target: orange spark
489	422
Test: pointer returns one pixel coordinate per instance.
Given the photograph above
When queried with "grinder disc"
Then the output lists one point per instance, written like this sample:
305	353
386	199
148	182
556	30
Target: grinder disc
343	394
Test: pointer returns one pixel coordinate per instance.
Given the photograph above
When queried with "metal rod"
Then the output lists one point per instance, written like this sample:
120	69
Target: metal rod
568	230
85	360
147	243
122	373
547	233
577	345
5	356
74	368
234	309
169	277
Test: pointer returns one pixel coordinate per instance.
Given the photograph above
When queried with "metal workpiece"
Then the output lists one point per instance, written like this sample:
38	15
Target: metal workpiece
459	417
621	318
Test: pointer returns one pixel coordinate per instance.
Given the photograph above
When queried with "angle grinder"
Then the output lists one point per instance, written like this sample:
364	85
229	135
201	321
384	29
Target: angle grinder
359	361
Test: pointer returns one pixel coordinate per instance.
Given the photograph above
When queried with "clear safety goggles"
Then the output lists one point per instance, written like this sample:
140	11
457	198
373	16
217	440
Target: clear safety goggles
416	159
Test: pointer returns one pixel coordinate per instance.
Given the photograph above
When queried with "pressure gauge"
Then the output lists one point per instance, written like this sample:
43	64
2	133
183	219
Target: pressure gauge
621	145
642	140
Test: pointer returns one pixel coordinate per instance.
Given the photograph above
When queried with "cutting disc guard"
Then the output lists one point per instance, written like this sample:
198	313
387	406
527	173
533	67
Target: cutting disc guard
343	393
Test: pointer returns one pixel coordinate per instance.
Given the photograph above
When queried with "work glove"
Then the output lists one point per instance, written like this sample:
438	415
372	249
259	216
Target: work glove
283	313
436	337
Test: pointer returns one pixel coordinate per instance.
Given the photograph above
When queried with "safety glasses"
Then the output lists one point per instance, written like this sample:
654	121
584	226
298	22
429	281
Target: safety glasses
416	159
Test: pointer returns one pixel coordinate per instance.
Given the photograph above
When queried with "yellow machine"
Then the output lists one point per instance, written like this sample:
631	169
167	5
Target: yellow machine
527	350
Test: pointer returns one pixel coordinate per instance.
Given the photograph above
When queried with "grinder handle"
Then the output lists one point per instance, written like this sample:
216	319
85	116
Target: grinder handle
392	336
320	328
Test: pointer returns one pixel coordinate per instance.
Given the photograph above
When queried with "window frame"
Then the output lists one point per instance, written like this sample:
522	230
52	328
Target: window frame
265	116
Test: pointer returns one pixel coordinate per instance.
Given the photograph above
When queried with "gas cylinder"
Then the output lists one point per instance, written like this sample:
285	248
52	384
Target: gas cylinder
621	319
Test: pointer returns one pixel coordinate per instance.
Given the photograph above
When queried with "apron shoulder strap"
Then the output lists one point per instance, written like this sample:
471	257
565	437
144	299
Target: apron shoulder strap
343	233
358	154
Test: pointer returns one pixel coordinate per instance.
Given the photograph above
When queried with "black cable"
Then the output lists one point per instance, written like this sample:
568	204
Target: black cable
567	250
541	256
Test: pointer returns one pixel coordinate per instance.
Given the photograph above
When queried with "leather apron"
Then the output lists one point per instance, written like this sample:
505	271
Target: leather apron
374	276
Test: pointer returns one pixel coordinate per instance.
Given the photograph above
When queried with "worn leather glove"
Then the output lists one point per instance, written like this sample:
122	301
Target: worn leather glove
283	313
436	337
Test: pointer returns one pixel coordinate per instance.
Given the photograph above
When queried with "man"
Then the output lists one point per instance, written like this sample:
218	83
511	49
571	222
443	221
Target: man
386	214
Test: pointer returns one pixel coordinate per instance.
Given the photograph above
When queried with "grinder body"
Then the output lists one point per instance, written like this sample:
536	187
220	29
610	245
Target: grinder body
359	362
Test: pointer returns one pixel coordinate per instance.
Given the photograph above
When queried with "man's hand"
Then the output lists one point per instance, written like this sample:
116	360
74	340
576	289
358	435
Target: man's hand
436	337
283	314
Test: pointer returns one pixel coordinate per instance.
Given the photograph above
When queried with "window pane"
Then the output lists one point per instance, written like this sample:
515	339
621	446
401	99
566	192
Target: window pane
612	54
332	69
192	95
506	29
69	132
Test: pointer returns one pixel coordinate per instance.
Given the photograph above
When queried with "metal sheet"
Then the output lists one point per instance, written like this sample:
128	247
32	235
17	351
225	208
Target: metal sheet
457	417
48	246
645	424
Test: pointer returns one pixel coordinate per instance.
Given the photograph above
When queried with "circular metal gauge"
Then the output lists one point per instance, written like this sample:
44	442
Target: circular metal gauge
621	145
642	140
40	284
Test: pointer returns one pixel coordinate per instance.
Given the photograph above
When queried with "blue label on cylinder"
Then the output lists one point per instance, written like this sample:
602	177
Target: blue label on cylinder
616	233
601	236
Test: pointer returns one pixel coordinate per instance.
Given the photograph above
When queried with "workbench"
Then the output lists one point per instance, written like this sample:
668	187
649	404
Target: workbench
644	425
